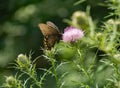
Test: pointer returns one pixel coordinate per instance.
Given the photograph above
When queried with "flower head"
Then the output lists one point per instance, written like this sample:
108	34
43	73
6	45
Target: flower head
11	81
72	34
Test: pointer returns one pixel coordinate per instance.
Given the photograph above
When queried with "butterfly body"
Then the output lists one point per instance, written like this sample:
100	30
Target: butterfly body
51	34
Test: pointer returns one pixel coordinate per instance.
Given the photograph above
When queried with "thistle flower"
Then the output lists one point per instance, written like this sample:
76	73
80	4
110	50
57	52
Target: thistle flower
11	81
23	61
72	34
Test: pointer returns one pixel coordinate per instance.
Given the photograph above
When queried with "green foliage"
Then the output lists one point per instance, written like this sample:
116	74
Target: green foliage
91	62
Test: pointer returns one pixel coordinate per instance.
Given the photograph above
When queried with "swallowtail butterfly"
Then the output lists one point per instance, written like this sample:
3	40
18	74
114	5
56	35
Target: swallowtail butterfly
51	34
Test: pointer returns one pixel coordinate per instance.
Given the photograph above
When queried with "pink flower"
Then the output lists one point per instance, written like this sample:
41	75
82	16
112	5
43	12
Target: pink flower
72	34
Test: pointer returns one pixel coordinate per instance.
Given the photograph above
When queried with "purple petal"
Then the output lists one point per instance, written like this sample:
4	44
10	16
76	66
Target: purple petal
72	34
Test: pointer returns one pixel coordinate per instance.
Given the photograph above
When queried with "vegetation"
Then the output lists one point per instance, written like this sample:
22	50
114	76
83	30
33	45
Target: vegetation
88	58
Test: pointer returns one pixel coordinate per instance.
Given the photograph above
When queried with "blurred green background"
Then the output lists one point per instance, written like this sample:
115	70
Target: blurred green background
19	19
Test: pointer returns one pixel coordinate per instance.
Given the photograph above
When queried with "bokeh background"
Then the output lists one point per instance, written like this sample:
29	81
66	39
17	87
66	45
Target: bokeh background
19	19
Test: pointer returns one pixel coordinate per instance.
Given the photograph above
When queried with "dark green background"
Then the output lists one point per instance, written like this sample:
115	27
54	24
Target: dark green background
19	19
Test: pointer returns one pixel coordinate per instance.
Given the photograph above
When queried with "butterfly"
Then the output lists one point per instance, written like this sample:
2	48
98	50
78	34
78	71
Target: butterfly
51	34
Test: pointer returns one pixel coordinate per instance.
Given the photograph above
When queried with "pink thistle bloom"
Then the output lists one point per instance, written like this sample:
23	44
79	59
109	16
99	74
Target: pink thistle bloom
72	34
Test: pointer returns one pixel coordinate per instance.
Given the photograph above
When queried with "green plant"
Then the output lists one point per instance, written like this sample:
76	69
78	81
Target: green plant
90	60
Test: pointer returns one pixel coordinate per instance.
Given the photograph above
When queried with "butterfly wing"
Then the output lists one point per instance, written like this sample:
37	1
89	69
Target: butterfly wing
49	23
49	41
47	29
51	34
